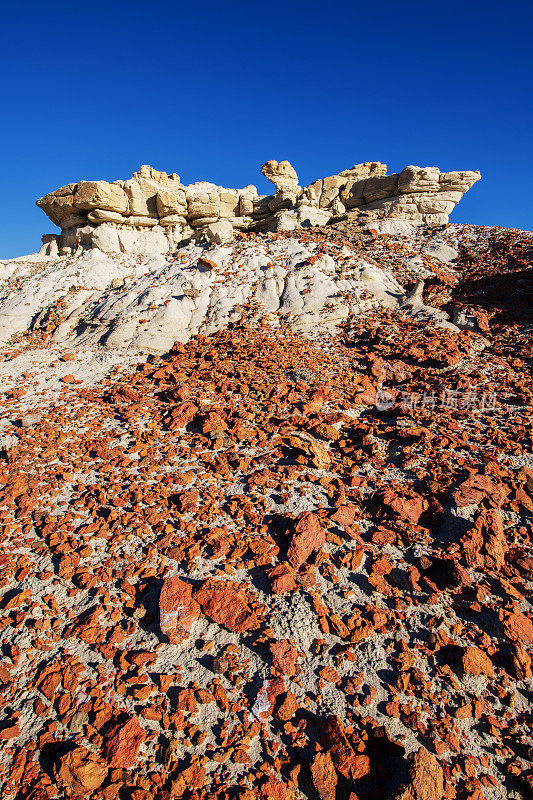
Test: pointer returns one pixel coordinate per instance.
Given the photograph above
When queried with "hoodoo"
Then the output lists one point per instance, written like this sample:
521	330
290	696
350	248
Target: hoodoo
153	212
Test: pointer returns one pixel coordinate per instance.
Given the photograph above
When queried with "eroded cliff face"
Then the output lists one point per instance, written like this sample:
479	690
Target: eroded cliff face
153	212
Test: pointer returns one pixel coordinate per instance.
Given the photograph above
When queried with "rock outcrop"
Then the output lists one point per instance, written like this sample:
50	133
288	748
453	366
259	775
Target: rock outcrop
153	212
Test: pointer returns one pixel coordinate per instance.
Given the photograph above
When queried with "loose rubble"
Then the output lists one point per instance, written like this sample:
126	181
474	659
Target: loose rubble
274	559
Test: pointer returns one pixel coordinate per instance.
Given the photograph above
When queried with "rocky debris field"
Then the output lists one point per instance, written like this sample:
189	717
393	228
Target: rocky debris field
279	560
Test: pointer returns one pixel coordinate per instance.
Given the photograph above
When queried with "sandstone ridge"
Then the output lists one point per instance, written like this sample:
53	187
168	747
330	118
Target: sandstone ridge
153	212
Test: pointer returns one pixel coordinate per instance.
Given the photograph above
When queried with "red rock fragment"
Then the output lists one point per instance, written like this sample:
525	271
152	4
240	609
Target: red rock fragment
266	697
476	662
475	488
9	732
122	743
308	535
282	579
324	776
273	789
284	657
80	772
425	778
177	609
288	707
344	515
224	603
518	628
408	508
212	422
187	501
182	414
485	545
334	740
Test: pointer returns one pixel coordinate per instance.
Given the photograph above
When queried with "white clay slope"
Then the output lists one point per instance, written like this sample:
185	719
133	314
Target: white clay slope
126	301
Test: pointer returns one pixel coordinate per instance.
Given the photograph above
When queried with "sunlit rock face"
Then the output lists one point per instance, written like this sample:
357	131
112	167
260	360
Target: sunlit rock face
153	212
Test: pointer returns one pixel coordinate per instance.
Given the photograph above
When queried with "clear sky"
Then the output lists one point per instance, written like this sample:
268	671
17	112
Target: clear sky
212	90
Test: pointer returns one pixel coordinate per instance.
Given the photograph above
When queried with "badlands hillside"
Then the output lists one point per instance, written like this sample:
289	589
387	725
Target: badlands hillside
266	494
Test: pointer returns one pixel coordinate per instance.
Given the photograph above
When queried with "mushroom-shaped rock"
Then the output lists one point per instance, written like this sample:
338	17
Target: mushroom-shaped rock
283	175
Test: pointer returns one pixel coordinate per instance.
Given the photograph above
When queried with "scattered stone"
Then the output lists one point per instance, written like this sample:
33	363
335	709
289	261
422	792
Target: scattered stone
308	536
122	743
224	603
476	662
178	611
81	772
425	778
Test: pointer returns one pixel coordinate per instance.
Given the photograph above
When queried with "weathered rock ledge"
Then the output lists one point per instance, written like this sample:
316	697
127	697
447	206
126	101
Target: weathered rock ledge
153	212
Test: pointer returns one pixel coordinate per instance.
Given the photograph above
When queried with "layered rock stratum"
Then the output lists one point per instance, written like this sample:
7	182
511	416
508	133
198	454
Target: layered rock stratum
153	212
267	508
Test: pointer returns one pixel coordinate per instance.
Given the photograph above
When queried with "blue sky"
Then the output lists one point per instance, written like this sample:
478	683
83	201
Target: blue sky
213	90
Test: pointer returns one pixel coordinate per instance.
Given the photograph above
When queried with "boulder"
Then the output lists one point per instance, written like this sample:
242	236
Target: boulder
440	250
393	227
417	179
309	216
100	194
283	221
106	239
219	232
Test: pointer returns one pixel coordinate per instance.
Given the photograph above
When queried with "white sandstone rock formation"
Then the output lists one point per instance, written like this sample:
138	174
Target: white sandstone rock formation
153	212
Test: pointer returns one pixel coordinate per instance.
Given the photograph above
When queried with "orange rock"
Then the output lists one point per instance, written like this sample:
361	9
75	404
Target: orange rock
80	771
187	501
213	422
177	609
122	743
425	778
284	657
224	603
329	674
10	732
475	488
308	536
334	740
408	508
476	662
282	579
273	789
182	414
344	515
486	545
324	776
288	707
518	628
